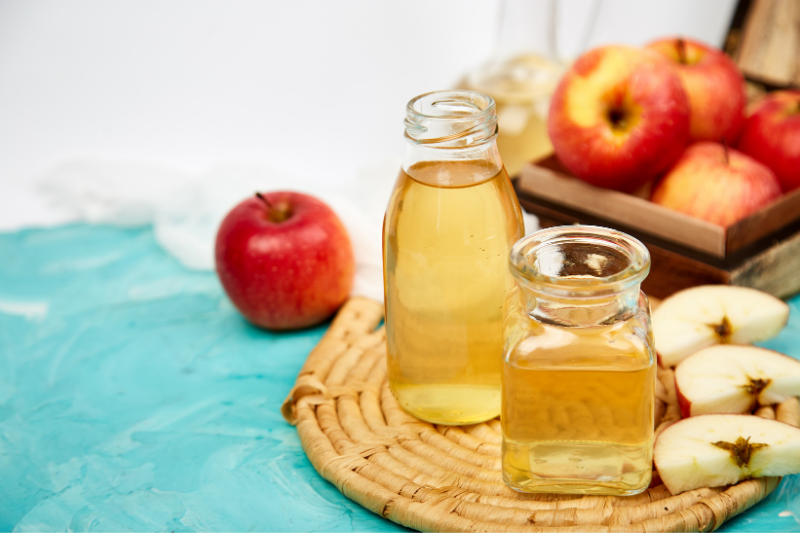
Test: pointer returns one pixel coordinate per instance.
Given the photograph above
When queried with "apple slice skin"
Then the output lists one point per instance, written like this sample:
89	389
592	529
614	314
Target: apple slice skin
687	459
703	316
714	380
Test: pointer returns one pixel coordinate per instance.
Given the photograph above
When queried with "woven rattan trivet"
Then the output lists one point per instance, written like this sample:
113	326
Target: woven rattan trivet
444	478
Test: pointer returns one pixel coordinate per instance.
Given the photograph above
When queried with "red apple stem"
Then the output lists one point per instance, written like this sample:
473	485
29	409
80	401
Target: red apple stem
275	214
272	213
682	51
264	199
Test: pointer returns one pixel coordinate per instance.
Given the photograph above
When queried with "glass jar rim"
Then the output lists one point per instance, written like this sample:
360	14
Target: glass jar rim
633	273
467	97
470	116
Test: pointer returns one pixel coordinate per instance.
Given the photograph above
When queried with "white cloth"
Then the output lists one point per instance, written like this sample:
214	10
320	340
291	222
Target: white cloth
186	210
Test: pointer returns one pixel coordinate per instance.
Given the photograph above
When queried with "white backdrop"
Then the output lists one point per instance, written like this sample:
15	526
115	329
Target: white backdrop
112	110
315	86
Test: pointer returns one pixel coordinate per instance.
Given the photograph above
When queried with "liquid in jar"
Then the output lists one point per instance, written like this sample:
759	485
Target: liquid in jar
579	367
447	234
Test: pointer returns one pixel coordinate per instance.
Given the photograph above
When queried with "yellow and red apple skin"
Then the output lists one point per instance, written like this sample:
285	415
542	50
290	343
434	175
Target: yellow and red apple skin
714	85
706	185
619	117
286	274
772	136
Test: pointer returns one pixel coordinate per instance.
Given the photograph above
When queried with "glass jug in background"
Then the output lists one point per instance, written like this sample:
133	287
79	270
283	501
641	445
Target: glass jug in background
522	87
521	77
579	367
449	226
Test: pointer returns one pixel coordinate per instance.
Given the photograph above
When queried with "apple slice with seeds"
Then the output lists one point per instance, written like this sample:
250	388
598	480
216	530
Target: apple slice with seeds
735	379
719	450
697	318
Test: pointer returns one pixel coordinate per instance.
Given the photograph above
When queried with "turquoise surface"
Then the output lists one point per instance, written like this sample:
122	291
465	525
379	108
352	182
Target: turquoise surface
134	397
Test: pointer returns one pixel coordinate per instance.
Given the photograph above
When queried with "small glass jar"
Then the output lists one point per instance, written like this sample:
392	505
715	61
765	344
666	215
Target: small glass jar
579	367
450	224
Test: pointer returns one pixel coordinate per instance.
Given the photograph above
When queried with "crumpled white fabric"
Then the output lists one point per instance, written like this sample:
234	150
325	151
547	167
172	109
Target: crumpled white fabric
186	209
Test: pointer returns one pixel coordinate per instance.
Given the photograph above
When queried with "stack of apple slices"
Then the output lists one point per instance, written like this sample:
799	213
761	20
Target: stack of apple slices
719	381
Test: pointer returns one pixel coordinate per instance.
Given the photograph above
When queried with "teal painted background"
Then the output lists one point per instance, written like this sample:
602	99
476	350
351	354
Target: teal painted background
134	397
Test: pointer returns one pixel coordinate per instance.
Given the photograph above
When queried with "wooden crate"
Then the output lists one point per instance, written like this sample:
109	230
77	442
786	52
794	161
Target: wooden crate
761	251
764	40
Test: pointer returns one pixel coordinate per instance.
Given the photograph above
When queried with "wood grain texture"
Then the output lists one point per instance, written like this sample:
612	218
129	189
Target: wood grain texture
776	270
669	271
549	180
761	251
779	214
769	48
623	208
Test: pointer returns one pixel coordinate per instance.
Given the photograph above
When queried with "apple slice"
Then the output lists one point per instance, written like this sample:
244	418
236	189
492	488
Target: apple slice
697	318
719	450
735	379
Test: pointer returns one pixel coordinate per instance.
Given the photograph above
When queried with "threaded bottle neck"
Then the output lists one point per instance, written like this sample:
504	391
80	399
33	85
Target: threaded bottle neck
454	119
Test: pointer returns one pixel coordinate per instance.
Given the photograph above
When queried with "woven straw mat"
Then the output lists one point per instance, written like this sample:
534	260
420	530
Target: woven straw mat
446	478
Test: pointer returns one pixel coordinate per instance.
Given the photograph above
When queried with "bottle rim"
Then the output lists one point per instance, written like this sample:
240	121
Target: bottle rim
454	118
527	250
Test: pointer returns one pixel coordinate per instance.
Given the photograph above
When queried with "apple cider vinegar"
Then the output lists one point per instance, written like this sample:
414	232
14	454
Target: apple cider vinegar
450	224
579	367
589	419
447	235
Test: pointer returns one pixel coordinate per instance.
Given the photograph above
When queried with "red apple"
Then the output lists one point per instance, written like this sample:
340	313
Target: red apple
619	117
717	184
772	135
285	260
714	85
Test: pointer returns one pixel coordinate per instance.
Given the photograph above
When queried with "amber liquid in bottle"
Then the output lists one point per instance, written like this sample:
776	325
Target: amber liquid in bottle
447	234
578	409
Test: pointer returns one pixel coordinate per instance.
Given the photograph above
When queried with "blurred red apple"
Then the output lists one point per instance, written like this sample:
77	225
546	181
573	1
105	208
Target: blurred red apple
619	117
714	85
717	184
772	135
285	260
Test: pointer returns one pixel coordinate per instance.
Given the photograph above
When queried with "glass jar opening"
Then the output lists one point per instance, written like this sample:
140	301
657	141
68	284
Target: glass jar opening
584	260
451	119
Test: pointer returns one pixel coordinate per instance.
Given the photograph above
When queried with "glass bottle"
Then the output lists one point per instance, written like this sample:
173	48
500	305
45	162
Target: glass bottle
579	368
450	223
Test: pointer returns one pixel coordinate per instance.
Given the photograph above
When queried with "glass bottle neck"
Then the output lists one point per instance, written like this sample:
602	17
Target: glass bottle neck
453	119
451	138
484	161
